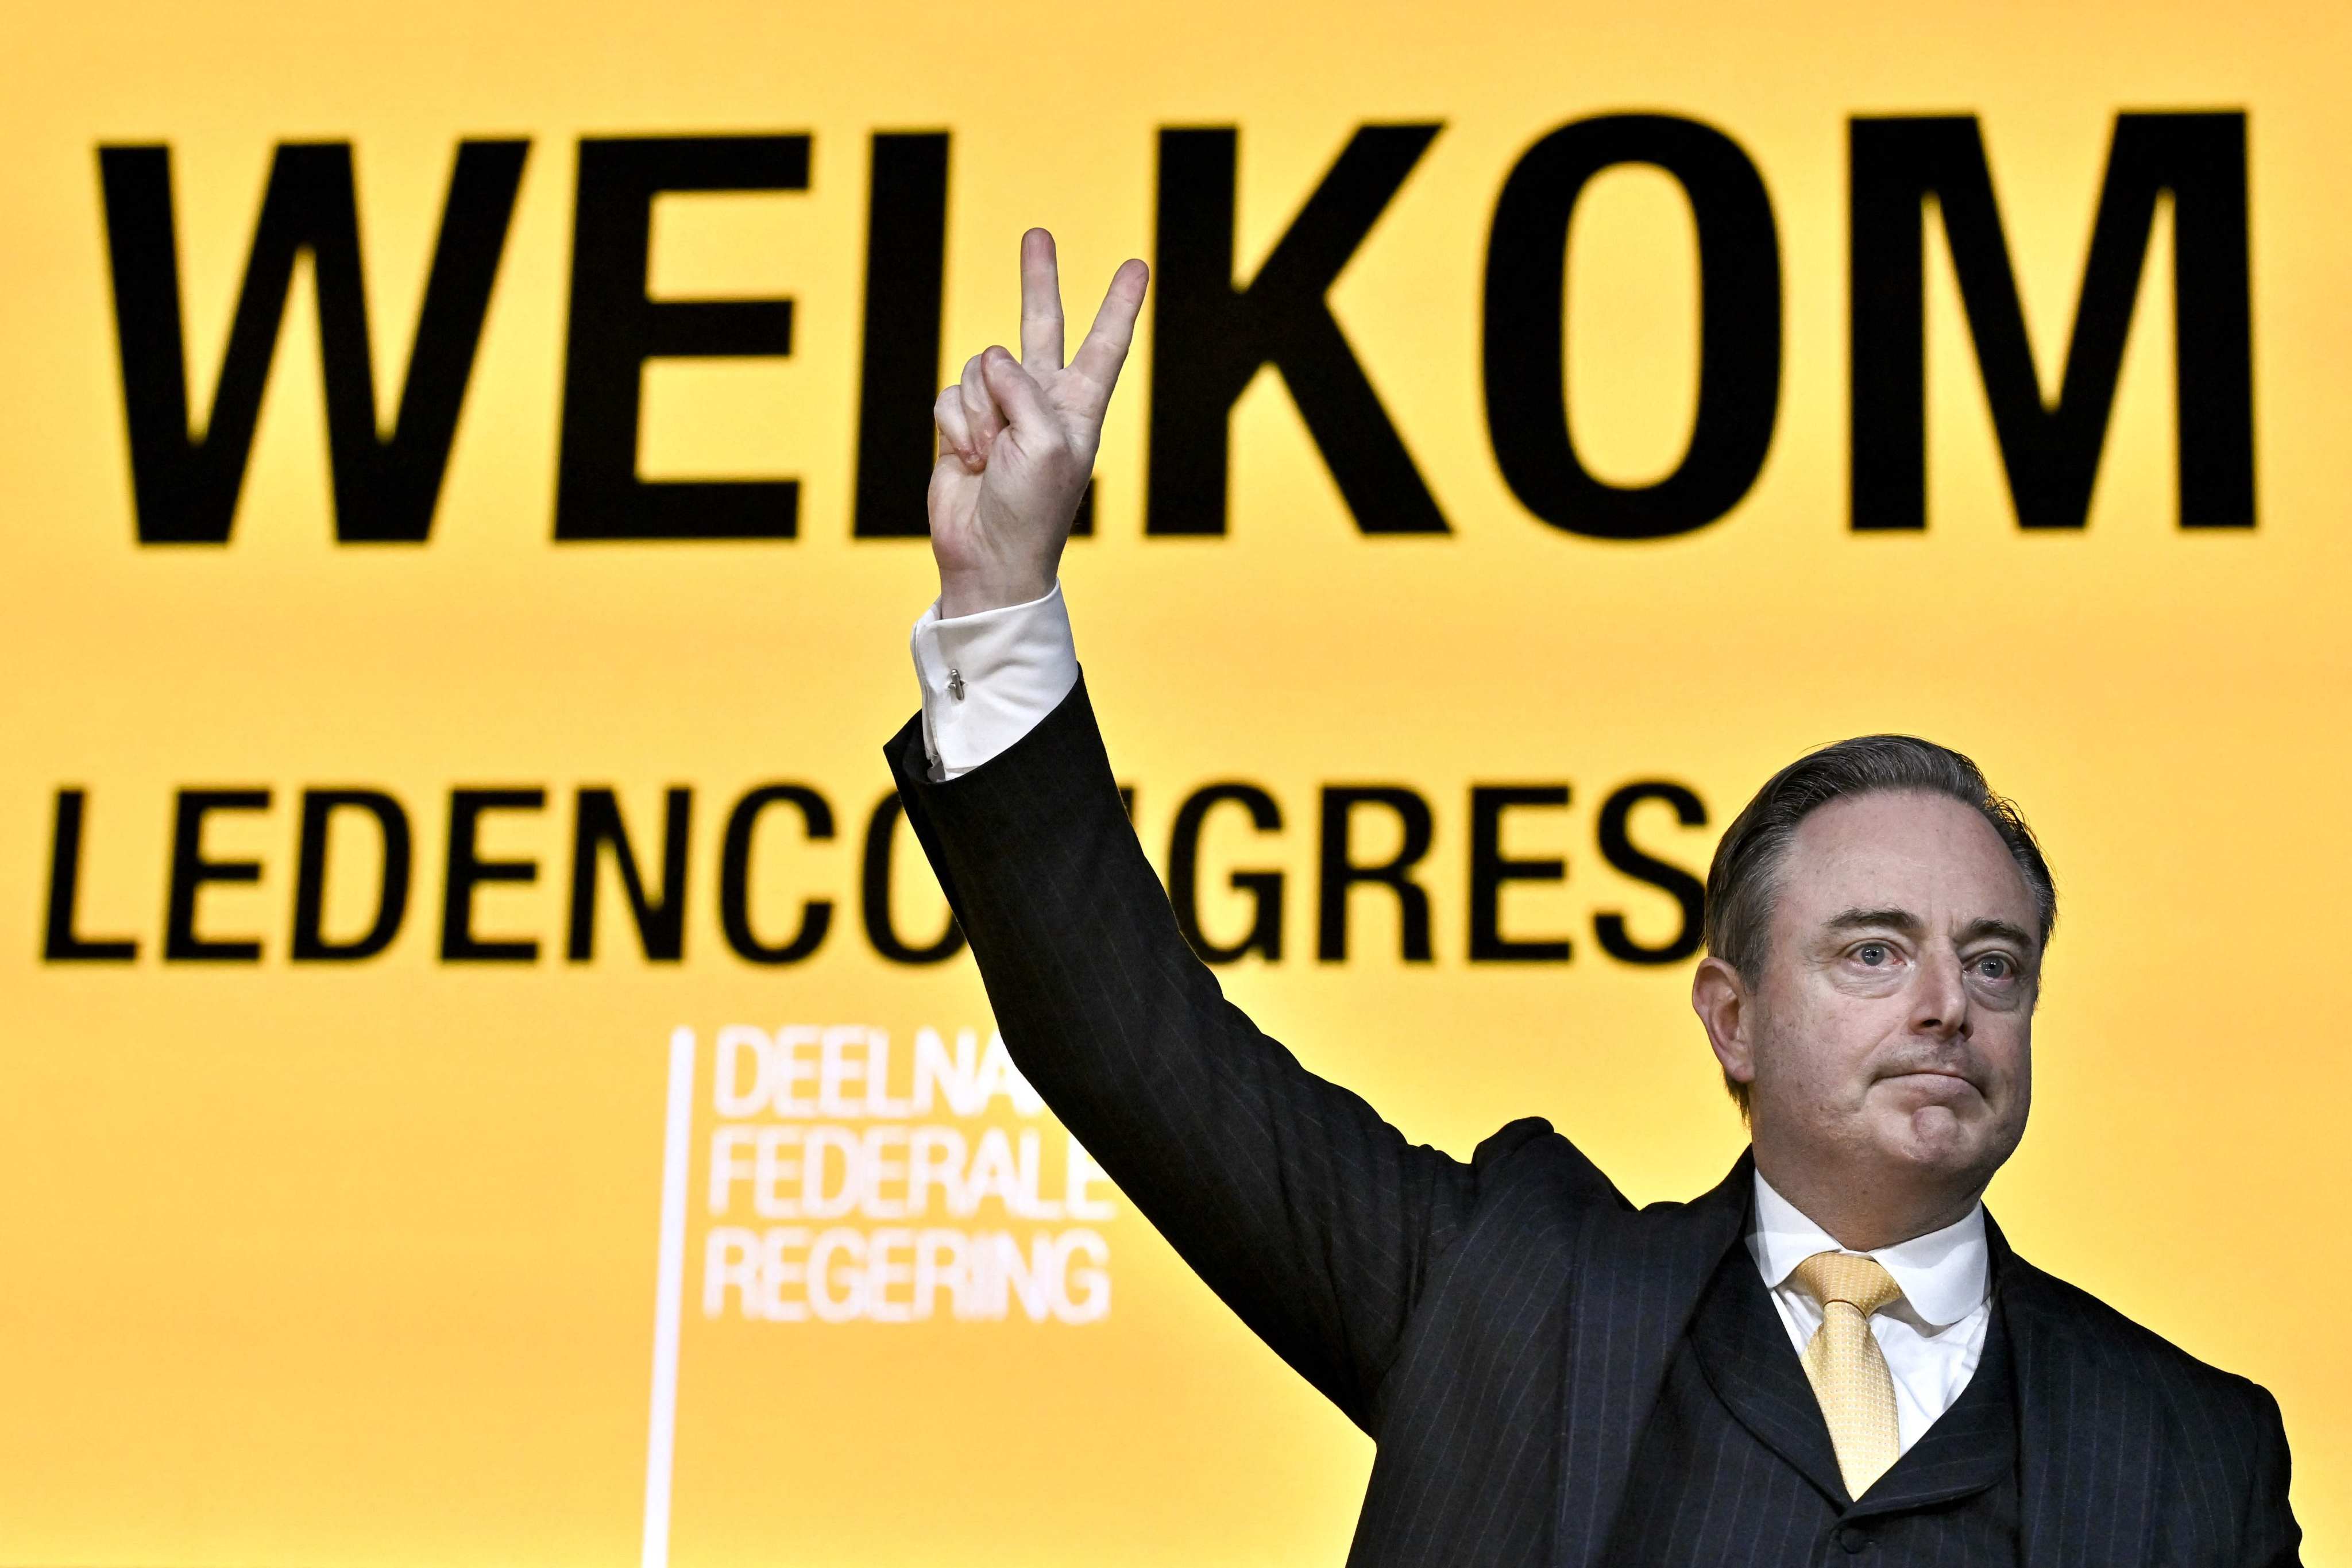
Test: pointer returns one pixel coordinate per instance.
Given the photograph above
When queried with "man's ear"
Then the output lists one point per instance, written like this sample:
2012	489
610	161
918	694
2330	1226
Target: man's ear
1720	998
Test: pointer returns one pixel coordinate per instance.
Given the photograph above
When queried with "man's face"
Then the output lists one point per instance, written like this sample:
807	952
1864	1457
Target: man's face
1890	1031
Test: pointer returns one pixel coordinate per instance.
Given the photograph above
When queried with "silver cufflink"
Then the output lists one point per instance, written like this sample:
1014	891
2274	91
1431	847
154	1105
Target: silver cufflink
955	684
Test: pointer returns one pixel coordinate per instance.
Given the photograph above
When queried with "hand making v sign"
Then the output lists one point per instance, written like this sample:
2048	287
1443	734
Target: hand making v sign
1017	440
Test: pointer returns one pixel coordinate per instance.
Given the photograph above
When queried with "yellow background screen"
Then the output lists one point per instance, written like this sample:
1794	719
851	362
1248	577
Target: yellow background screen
359	1260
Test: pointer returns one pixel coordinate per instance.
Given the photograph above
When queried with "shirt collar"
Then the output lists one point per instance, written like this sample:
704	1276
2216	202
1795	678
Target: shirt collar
1943	1275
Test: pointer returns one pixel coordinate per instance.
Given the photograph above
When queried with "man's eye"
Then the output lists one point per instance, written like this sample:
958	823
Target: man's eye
1873	953
1995	966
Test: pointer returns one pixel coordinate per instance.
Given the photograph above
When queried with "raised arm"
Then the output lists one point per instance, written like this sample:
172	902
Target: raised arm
1312	1217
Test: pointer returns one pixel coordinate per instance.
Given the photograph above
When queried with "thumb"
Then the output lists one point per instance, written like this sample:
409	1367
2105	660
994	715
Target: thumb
1024	403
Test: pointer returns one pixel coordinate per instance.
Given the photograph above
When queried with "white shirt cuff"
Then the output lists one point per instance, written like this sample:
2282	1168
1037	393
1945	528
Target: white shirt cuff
988	678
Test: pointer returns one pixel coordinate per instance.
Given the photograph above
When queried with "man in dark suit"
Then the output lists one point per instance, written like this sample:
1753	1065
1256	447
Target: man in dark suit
1831	1354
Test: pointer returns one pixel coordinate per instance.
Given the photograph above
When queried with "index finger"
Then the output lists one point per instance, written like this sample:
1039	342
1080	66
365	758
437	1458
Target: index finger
1041	302
1105	348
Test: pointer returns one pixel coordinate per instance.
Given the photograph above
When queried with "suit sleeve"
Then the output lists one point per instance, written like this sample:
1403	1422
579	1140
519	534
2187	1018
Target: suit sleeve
1309	1215
2270	1536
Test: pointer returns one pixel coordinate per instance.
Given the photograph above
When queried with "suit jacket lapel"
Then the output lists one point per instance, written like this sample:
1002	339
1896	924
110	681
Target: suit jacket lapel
2089	1432
1743	1349
1745	1353
1638	1278
1969	1448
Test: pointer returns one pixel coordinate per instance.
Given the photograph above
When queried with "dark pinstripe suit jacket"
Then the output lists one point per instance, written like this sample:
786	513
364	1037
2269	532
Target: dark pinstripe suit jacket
1501	1327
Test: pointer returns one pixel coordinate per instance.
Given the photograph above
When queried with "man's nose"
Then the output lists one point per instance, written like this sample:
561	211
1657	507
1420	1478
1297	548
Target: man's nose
1941	1001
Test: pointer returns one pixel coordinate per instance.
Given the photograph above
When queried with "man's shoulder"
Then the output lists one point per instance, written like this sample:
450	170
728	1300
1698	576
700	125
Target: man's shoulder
1529	1159
2092	1335
1530	1176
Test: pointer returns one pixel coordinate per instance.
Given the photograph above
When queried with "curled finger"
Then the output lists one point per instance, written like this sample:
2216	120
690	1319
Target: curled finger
983	417
955	430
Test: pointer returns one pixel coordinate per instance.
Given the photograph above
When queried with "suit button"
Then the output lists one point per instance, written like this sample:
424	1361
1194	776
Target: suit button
1853	1537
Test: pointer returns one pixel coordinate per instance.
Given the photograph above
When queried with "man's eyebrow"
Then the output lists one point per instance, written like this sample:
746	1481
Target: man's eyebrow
1976	931
1903	920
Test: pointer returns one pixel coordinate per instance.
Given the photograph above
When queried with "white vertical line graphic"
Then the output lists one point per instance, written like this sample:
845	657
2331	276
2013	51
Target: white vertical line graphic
661	1433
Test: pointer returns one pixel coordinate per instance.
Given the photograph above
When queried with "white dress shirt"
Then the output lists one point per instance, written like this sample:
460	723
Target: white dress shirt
988	678
1932	1336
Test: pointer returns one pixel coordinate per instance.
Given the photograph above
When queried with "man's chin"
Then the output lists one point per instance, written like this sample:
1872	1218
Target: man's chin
1943	1135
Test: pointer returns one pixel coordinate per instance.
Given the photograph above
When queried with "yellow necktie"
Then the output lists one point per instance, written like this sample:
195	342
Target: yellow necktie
1845	1366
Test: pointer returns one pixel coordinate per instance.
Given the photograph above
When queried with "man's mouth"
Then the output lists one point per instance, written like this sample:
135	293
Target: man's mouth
1934	1081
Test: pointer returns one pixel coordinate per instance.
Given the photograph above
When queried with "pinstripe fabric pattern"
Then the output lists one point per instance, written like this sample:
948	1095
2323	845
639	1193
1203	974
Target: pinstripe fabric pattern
1502	1327
1735	1468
